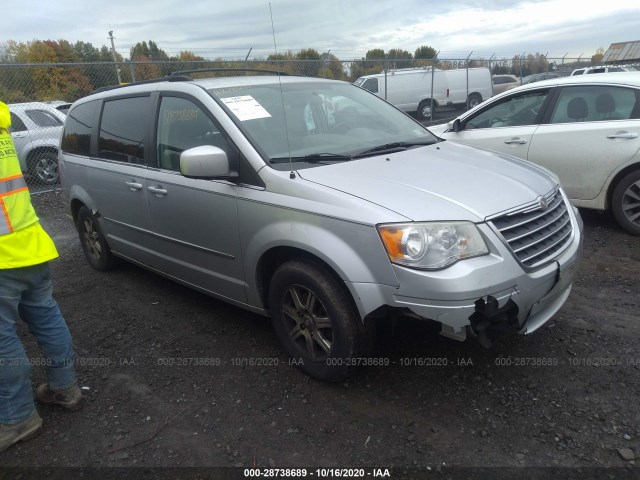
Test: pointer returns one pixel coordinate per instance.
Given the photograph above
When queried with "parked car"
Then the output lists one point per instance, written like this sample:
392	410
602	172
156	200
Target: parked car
584	128
36	128
319	204
538	77
600	69
422	89
502	83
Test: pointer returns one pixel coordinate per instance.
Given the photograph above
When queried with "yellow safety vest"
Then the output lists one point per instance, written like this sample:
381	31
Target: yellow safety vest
23	242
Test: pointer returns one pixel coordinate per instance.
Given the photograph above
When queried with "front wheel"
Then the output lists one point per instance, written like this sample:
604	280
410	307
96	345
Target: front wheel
94	245
315	322
424	109
625	202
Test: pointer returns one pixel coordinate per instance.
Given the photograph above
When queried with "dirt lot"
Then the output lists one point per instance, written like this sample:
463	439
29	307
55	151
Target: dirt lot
177	379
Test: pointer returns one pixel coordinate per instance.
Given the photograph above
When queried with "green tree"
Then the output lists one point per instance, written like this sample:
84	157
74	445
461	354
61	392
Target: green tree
310	62
425	52
187	56
399	58
333	67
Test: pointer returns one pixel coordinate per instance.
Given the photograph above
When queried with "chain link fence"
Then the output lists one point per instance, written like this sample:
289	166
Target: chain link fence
39	94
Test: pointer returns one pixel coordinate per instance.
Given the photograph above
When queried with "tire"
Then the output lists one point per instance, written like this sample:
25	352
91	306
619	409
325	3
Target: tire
44	167
474	100
93	243
314	320
625	202
424	109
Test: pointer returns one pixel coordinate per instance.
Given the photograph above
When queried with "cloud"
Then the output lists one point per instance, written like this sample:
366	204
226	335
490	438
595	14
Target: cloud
347	28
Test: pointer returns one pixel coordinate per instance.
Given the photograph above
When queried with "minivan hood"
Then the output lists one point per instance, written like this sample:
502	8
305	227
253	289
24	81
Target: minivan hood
444	181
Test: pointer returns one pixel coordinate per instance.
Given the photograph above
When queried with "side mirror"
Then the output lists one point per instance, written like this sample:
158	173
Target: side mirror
205	161
455	126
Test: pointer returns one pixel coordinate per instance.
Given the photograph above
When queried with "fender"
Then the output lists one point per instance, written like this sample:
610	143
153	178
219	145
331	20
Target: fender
356	253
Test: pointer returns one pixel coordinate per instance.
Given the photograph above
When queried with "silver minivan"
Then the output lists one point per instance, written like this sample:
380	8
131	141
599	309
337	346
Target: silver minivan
320	205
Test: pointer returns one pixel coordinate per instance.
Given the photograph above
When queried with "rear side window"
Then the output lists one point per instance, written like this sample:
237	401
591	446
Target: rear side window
78	127
122	130
17	125
43	118
594	103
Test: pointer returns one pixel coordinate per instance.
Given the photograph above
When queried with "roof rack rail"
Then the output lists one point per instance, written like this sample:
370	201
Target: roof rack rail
204	70
169	78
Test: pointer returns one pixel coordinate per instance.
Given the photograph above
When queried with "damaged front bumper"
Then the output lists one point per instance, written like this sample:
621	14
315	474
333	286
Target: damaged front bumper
483	296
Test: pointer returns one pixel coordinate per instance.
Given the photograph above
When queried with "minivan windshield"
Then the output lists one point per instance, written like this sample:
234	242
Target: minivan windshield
325	123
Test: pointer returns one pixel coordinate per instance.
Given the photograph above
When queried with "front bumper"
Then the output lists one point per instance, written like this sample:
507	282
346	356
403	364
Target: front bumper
452	296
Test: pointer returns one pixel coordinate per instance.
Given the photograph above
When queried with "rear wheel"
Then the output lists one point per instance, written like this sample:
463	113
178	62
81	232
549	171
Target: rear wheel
474	100
44	166
625	202
424	110
315	322
93	242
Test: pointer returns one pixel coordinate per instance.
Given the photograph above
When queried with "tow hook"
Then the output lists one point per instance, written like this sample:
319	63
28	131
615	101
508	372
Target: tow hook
489	320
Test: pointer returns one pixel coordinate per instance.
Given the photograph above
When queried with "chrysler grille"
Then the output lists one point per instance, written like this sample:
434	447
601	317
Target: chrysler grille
536	234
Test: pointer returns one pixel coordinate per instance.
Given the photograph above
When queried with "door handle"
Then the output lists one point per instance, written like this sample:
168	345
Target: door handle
133	185
622	134
159	191
516	141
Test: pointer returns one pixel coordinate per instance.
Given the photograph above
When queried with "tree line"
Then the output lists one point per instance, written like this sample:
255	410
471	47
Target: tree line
61	70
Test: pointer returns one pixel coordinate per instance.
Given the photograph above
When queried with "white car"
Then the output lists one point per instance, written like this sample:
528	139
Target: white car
584	128
603	69
36	129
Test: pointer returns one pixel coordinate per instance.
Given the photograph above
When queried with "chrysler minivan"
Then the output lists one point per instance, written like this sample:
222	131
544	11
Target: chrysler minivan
320	205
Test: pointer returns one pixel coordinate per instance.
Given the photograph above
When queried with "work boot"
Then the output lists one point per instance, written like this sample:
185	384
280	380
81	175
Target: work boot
19	432
70	398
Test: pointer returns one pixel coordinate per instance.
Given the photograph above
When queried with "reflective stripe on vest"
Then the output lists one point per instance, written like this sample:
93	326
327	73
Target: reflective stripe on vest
12	184
16	211
9	186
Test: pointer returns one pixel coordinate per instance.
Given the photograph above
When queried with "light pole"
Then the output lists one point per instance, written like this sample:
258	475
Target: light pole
115	58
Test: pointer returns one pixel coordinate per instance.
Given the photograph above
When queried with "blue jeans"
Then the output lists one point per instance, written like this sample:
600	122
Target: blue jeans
26	293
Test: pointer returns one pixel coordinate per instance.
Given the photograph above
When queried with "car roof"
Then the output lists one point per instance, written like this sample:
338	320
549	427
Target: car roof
611	78
206	83
25	105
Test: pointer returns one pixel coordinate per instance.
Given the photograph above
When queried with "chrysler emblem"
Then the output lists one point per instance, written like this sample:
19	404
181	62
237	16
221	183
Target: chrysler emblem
543	204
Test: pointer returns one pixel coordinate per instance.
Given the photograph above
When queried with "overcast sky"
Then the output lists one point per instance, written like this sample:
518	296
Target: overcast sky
348	28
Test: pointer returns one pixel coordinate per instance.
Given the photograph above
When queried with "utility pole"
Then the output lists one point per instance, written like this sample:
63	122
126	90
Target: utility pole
115	58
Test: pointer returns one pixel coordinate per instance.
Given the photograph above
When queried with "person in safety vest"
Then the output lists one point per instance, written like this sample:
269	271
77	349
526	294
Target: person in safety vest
26	293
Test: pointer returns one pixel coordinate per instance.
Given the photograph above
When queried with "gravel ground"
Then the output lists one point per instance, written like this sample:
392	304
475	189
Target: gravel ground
177	379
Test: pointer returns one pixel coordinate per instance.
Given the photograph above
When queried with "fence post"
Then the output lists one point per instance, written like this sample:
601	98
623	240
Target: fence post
467	70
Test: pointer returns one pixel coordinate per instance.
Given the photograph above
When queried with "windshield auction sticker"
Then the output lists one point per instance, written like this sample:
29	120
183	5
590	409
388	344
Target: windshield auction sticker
245	107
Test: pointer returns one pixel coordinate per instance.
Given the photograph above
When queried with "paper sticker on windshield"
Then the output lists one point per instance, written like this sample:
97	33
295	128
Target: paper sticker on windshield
245	107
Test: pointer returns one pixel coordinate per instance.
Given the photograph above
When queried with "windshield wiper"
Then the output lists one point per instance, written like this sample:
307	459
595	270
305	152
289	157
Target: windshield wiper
394	146
313	158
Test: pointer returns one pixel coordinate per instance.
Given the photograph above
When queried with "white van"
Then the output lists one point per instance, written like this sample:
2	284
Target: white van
410	89
468	87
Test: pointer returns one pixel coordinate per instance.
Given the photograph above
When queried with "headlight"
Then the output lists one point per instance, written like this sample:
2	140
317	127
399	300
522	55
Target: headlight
431	246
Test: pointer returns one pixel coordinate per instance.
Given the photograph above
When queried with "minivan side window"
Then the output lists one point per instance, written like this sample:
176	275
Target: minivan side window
78	127
122	129
594	103
182	125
